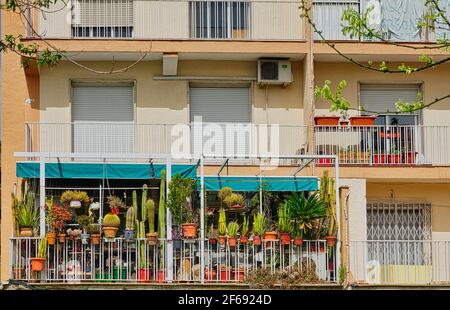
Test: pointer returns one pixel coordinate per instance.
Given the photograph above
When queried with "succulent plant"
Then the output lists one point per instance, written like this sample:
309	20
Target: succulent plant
129	219
222	222
150	205
111	220
233	229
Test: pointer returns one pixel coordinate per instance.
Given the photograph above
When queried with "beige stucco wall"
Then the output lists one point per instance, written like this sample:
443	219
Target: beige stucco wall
435	83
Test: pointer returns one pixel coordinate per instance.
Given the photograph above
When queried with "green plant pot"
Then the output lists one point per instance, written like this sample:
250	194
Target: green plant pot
102	277
117	273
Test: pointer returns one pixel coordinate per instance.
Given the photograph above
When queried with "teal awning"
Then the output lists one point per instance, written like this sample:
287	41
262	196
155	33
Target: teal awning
100	170
269	183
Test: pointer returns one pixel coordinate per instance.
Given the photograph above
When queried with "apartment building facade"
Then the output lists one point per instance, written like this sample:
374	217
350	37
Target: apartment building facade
249	64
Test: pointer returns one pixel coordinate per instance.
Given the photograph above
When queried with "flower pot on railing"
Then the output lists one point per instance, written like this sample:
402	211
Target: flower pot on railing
285	238
237	207
232	241
331	241
62	238
37	264
298	241
222	240
270	237
189	230
257	240
144	275
152	238
324	162
368	120
51	238
26	232
224	274
344	124
95	239
243	240
128	235
110	232
210	274
410	158
326	120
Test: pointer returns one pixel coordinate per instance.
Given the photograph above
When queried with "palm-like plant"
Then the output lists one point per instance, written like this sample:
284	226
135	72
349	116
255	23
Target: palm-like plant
305	212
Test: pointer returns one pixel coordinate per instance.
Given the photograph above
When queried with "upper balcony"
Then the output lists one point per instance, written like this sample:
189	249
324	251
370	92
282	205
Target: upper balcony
241	20
397	20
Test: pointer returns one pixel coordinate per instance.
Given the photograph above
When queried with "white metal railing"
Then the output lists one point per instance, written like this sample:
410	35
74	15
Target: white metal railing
400	262
170	19
396	22
125	138
384	145
119	260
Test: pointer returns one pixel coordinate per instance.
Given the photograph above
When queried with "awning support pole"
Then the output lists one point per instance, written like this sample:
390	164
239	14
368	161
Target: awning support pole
169	247
338	214
42	196
202	222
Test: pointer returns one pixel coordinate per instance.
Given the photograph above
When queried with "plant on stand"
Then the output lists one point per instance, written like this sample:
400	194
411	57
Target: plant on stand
84	221
232	200
94	231
75	199
111	221
180	204
284	224
56	219
259	228
222	226
328	196
244	231
26	215
212	235
38	262
129	224
152	235
233	230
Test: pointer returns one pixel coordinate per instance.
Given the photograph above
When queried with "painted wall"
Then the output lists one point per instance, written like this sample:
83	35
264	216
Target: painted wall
433	86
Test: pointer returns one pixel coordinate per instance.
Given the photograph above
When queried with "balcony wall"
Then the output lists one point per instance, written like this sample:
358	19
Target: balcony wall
153	19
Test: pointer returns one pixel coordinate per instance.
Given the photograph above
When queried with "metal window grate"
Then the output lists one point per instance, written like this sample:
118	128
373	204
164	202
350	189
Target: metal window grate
399	221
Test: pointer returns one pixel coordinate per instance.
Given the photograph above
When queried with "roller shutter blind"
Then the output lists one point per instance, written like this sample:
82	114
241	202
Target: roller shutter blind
102	118
98	13
222	105
382	98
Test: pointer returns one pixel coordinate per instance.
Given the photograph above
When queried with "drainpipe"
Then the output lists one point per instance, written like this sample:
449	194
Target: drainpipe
202	222
169	241
42	195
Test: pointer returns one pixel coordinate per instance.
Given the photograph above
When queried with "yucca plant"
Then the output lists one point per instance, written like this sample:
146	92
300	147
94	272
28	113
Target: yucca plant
306	212
245	226
233	229
259	224
284	219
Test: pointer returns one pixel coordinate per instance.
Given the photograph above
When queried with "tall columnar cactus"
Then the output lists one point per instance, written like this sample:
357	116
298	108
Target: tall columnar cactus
150	205
144	203
328	195
162	215
130	218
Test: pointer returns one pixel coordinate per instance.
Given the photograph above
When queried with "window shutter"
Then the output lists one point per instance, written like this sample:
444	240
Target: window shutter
382	98
101	13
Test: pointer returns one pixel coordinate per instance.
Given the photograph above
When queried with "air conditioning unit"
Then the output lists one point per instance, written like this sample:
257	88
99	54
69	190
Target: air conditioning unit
274	72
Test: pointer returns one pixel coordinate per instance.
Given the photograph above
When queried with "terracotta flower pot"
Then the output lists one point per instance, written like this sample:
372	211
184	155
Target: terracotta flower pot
110	232
232	241
161	276
62	238
26	232
37	264
243	239
298	241
224	275
18	273
189	230
257	240
237	207
239	275
344	123
210	274
331	240
362	120
152	238
51	238
212	241
326	120
95	239
285	238
222	240
144	275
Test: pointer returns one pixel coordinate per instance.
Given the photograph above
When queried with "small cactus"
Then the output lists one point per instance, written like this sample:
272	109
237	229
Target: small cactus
111	220
130	218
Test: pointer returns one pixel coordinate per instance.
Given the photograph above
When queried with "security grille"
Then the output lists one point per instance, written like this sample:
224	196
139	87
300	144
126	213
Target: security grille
397	233
102	18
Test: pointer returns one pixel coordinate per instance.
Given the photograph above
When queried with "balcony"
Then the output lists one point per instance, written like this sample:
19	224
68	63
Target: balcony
397	20
171	20
384	145
128	138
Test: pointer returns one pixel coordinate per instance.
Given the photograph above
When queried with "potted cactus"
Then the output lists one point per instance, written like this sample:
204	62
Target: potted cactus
75	199
38	263
284	224
222	226
84	221
328	196
94	231
244	231
232	200
129	224
152	235
259	228
111	221
212	235
233	230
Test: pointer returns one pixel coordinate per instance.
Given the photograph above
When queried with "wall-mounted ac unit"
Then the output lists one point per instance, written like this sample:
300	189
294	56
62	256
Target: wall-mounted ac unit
274	72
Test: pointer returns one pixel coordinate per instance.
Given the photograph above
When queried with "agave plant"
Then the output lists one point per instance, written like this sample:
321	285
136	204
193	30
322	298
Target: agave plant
305	212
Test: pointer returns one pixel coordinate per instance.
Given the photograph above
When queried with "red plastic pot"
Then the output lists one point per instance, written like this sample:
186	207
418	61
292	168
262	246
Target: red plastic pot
298	241
285	238
161	276
257	240
362	120
243	239
232	241
144	275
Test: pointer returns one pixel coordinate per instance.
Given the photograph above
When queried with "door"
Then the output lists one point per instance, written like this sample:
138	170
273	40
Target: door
103	118
226	120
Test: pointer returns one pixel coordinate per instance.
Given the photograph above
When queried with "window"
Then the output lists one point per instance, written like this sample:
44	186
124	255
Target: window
220	20
102	18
